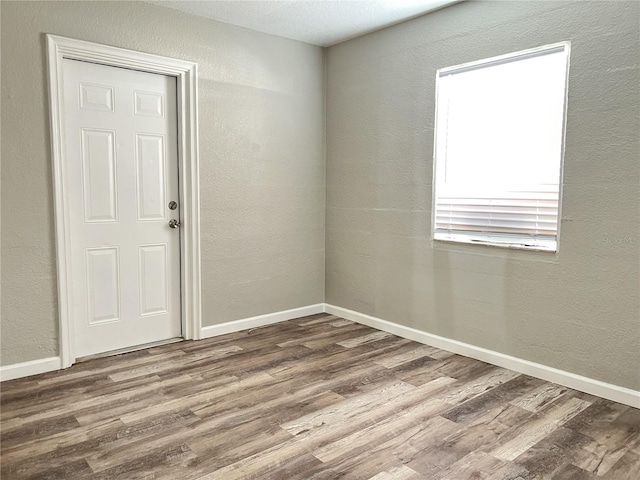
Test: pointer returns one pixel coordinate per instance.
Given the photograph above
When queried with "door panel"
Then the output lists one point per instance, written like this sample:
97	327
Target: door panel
153	279
96	97
149	104
150	162
121	169
99	175
103	285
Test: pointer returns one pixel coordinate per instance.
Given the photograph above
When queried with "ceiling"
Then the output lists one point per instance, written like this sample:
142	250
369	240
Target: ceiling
319	22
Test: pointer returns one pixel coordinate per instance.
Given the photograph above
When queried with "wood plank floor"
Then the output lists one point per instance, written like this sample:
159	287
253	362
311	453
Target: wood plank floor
314	398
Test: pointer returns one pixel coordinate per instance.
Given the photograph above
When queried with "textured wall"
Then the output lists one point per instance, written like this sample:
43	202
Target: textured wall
261	151
262	178
577	310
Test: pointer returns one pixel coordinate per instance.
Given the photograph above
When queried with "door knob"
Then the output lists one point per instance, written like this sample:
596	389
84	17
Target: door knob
173	223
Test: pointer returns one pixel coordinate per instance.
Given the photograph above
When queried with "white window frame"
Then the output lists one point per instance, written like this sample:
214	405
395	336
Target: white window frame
506	240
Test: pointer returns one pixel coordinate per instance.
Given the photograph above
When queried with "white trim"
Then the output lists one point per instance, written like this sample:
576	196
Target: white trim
59	48
515	242
508	57
25	369
578	382
261	320
567	379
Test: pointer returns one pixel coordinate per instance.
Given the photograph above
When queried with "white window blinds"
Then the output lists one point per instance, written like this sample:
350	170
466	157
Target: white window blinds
498	152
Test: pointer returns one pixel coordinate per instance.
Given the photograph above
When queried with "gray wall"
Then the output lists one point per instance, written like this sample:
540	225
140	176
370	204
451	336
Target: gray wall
261	150
577	310
263	178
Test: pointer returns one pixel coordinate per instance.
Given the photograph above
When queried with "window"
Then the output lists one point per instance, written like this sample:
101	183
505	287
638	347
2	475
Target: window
499	139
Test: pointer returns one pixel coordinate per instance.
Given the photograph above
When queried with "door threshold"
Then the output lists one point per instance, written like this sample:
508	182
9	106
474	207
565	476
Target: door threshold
135	348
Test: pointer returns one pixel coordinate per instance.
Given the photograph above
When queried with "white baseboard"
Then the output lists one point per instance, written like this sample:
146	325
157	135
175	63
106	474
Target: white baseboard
19	370
260	320
25	369
567	379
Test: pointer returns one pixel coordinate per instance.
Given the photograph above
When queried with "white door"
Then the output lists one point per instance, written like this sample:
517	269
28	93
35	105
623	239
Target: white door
121	170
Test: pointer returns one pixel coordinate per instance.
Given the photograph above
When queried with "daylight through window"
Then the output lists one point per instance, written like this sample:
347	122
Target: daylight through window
499	147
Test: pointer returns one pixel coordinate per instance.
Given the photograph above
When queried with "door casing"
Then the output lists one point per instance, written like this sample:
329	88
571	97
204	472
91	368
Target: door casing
59	48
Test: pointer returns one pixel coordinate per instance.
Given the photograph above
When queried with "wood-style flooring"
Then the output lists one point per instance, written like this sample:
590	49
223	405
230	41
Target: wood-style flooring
314	398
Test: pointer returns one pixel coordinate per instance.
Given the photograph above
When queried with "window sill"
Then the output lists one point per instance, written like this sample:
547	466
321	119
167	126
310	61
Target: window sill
548	246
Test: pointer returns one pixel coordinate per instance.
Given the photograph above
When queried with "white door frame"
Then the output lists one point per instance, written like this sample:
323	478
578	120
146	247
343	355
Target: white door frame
59	48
